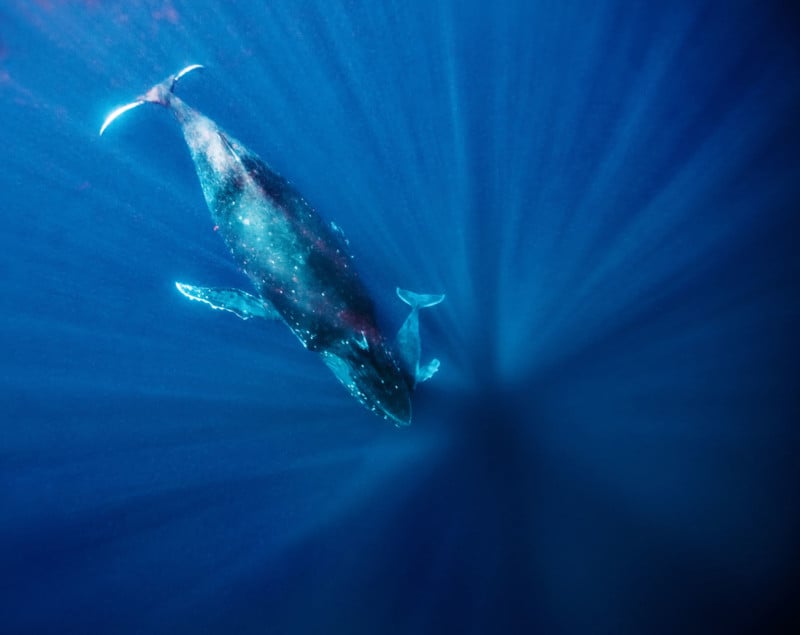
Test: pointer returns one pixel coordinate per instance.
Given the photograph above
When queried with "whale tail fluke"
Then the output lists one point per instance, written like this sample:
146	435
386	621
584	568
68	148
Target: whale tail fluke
161	92
419	300
158	94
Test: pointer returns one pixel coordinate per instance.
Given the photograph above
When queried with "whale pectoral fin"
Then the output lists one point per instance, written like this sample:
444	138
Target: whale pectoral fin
427	371
235	301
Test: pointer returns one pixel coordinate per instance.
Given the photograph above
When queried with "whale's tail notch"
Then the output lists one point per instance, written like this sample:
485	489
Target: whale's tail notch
158	94
419	300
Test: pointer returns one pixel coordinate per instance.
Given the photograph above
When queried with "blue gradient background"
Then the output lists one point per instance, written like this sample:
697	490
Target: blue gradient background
607	191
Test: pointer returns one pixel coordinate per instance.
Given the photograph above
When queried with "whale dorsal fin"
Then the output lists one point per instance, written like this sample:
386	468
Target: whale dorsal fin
235	301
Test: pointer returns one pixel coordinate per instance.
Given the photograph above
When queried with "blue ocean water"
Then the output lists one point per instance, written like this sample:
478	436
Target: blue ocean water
608	193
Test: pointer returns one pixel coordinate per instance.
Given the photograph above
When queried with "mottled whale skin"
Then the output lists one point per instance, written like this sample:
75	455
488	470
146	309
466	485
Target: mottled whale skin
298	264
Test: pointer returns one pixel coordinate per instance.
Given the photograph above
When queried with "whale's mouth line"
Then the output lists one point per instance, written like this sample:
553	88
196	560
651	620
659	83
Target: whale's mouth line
342	370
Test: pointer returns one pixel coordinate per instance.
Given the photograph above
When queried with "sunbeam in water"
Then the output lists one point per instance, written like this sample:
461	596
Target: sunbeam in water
606	192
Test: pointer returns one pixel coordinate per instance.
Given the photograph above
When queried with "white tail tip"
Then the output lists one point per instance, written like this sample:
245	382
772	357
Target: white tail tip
188	69
116	113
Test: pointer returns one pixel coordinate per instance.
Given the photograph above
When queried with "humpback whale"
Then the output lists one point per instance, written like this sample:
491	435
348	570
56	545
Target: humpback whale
299	266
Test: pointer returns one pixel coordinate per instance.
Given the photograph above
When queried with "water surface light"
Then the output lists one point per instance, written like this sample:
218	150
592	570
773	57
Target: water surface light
608	194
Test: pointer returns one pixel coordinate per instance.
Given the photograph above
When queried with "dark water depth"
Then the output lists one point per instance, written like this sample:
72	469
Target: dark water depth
608	192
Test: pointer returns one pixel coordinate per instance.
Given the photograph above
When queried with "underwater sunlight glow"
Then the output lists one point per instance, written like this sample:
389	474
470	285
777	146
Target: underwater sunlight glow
607	193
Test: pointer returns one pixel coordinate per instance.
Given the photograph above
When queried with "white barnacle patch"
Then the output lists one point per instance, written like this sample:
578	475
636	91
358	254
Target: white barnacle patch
362	343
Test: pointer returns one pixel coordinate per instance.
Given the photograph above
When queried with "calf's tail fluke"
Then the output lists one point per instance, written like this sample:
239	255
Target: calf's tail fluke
419	300
158	94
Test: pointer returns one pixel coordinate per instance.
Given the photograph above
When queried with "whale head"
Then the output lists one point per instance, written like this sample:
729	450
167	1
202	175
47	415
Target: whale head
372	376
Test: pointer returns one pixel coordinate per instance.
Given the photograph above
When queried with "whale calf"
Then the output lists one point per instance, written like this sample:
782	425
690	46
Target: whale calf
299	265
